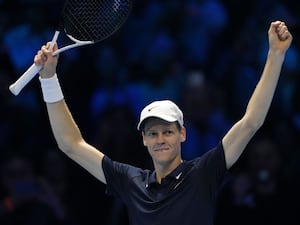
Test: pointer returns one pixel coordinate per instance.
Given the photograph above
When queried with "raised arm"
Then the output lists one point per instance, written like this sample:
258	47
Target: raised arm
65	130
239	135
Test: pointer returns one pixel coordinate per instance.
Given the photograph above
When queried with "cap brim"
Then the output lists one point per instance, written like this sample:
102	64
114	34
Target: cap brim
162	117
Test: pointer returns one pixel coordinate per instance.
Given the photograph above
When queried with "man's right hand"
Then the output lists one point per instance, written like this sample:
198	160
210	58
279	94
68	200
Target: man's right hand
45	59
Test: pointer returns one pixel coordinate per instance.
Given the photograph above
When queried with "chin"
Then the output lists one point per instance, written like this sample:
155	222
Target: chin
163	160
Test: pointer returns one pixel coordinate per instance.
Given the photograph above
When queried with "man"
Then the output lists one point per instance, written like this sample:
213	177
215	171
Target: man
177	191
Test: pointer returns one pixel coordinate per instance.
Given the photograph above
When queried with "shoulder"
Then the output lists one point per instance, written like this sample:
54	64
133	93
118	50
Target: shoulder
214	155
111	167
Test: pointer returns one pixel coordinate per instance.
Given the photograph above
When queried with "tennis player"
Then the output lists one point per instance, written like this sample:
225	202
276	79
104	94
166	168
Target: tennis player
177	191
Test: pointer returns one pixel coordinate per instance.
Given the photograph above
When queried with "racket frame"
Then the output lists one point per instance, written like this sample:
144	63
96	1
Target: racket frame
33	70
30	73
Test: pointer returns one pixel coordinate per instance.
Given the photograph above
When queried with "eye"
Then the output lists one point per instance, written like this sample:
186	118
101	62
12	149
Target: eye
168	132
151	134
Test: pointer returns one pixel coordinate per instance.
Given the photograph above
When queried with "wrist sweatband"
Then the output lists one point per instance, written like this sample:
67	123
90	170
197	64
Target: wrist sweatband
51	89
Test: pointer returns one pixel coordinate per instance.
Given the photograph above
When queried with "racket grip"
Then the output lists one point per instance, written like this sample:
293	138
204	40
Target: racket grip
17	86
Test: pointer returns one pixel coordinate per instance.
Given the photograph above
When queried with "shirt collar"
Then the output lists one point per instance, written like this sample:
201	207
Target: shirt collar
175	174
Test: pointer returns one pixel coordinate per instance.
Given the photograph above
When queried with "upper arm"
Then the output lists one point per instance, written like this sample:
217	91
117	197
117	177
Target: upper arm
71	142
235	141
89	158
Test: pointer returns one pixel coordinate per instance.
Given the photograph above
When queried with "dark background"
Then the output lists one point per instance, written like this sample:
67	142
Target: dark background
207	56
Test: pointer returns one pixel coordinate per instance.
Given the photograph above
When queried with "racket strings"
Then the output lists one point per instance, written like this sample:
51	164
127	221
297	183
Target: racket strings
94	20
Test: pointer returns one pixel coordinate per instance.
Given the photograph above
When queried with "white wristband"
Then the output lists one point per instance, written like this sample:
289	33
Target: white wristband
51	89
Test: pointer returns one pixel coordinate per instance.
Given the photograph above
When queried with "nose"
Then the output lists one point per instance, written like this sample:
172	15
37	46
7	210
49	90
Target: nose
160	138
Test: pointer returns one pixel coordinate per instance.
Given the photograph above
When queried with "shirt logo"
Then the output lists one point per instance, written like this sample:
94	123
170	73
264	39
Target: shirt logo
178	176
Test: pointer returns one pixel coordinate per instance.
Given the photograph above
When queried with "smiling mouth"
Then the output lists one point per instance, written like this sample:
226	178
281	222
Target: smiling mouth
160	149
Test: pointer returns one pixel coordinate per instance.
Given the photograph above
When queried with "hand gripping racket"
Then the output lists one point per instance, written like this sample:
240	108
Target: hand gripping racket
84	22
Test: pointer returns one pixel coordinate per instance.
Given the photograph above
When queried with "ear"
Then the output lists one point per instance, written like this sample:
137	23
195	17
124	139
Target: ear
144	140
183	134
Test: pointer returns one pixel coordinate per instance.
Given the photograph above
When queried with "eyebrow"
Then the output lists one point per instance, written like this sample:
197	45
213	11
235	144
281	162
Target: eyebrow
165	126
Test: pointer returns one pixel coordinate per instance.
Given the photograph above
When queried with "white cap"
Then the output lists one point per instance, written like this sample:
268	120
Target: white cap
164	109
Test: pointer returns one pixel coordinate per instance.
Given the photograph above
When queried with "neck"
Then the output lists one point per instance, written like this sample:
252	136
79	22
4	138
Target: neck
164	169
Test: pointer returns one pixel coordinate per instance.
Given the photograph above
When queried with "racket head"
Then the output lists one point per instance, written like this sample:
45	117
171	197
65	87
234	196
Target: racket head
94	20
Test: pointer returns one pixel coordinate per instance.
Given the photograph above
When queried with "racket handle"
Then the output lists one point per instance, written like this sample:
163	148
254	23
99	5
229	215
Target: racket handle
16	87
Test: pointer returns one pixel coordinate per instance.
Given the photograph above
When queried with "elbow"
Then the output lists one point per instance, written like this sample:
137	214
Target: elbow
64	147
252	123
67	145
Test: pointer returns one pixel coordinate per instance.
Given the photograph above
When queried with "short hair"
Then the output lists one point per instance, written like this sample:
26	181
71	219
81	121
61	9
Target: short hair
142	126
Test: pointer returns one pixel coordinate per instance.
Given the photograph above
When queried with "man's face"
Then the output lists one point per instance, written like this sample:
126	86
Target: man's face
163	140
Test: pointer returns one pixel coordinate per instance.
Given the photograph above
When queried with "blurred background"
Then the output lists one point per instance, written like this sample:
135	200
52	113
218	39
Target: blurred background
206	55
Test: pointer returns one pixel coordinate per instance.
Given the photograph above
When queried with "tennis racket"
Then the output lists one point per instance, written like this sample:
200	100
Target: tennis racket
84	22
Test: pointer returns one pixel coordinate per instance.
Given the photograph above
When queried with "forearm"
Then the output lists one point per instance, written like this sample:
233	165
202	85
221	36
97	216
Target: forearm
261	99
63	125
262	96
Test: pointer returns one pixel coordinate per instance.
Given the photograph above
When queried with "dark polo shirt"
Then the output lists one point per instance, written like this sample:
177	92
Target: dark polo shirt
187	196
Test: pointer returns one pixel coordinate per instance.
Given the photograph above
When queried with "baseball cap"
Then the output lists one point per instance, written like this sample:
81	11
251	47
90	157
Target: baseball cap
163	109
